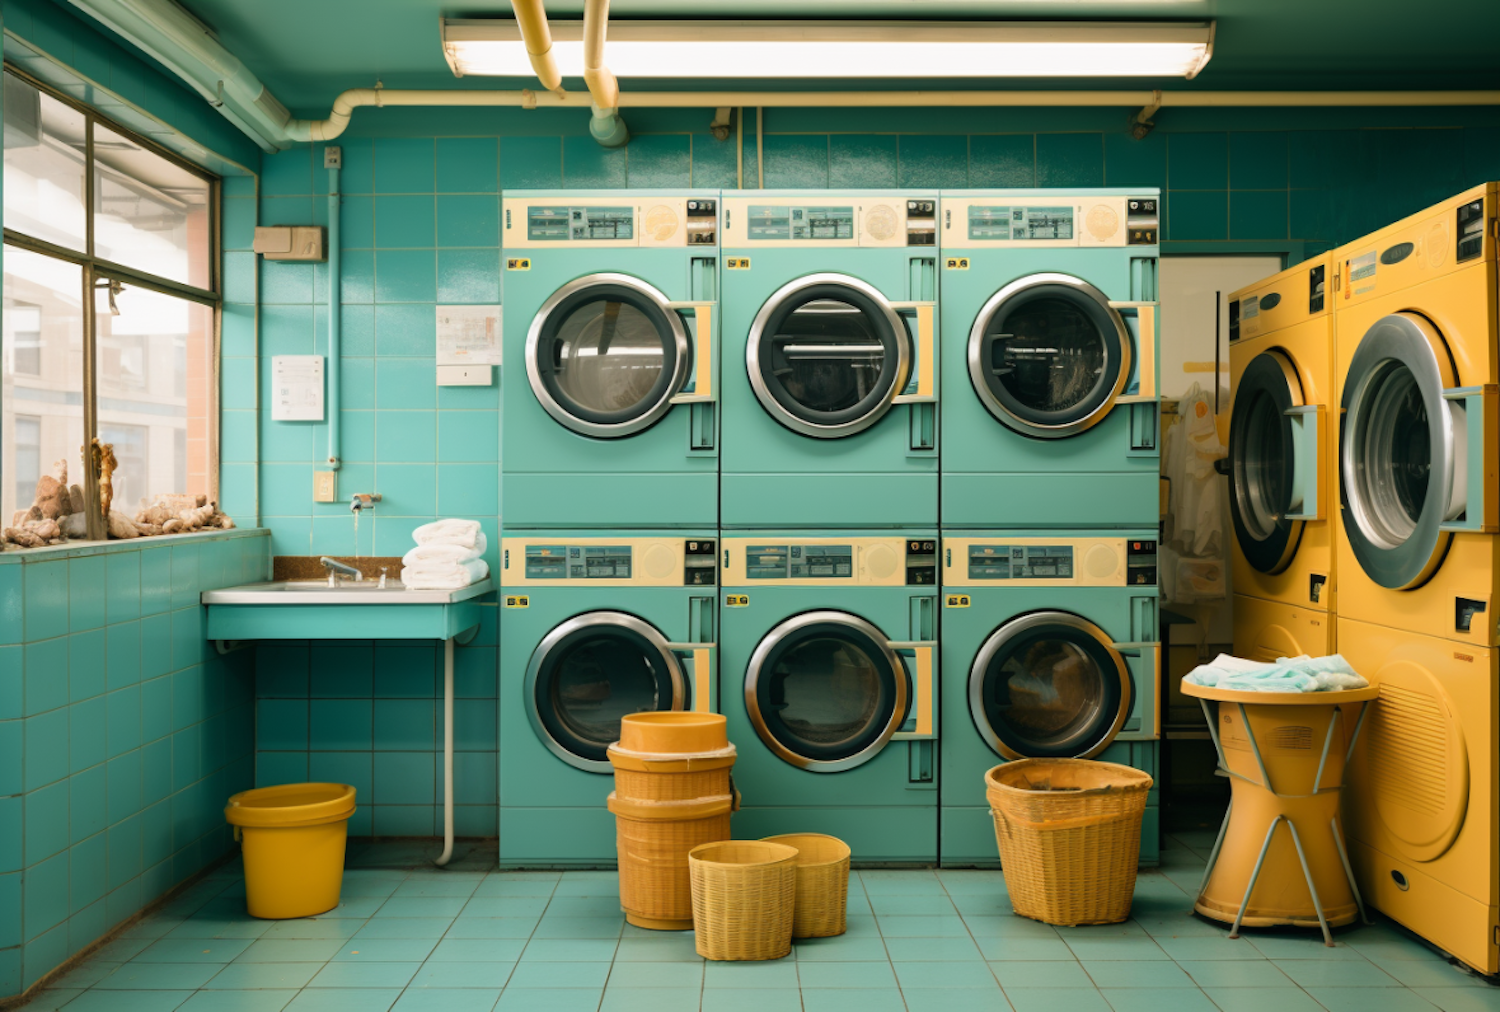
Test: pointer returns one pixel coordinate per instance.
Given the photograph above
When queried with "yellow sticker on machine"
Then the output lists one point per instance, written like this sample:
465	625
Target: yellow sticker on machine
956	263
736	600
517	601
736	263
518	264
956	601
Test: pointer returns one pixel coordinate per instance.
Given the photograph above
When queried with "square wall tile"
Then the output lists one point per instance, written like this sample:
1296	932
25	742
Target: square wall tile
405	165
406	330
1258	214
45	814
45	586
468	165
88	724
122	654
87	675
339	724
586	164
405	275
930	162
471	220
404	221
45	667
87	596
88	809
862	160
1197	215
661	160
12	602
1070	159
1198	161
403	778
1131	162
404	725
1002	160
357	222
1258	161
281	724
793	161
469	276
530	163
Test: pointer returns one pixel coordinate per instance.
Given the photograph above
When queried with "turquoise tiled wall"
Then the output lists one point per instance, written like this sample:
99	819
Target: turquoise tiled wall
122	732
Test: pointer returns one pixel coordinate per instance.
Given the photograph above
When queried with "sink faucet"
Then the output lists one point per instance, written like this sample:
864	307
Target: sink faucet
335	568
363	501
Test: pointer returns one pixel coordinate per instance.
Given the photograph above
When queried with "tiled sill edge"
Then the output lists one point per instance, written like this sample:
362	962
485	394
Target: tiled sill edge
77	549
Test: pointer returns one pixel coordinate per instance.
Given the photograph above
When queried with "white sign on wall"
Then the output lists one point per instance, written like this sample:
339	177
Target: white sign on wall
297	388
468	335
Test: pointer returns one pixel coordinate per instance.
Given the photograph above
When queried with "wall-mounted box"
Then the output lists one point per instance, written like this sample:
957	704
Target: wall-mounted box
291	242
465	376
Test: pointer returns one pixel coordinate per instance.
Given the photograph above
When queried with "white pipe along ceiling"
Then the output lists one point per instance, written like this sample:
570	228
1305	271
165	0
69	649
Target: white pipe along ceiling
181	43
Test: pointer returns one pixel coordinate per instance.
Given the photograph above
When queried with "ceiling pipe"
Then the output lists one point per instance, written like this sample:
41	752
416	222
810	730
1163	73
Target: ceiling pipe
606	126
531	18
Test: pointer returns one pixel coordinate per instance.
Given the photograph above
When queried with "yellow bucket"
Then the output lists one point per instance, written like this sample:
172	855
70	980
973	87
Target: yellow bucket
293	837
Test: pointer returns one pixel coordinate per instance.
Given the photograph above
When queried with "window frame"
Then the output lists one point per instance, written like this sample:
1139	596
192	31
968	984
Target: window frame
99	273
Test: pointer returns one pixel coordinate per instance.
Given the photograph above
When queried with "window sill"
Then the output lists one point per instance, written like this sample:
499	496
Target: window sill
76	549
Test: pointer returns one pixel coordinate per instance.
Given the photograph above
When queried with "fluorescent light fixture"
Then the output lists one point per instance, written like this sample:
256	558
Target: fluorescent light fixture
715	50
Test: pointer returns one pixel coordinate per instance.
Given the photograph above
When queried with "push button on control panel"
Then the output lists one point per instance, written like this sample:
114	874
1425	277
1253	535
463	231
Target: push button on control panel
1140	563
921	223
699	567
1141	220
921	562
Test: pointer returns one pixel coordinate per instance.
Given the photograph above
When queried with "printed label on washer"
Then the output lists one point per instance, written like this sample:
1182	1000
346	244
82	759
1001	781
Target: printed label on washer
576	224
799	224
1362	268
1020	562
1016	224
578	562
799	562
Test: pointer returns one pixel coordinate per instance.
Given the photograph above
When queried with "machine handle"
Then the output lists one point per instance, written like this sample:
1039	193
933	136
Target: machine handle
924	652
704	349
1480	407
1140	650
926	364
699	660
1146	341
1308	460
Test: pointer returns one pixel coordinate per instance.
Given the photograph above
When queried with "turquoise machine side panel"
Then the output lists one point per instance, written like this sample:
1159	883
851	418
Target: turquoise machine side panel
993	476
552	476
885	809
552	814
1126	614
884	476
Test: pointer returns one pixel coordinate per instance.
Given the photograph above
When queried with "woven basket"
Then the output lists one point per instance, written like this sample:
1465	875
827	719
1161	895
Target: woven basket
1069	832
743	895
822	884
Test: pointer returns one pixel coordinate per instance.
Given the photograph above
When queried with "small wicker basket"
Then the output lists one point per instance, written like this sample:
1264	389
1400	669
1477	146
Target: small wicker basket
822	884
743	896
1069	832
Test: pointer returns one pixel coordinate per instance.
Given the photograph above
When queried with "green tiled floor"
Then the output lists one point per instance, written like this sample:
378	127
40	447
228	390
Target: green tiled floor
412	938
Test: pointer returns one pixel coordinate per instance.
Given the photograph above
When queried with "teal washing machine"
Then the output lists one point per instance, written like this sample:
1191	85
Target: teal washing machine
1049	358
592	627
830	367
1049	650
827	681
609	414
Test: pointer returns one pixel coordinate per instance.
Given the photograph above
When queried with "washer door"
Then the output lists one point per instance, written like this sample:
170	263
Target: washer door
588	673
1049	684
826	355
1048	355
1400	447
1262	455
825	691
606	354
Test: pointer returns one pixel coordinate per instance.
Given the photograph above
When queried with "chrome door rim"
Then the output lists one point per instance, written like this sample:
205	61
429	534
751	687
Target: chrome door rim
1400	340
768	643
1273	552
652	414
768	400
1025	623
566	629
980	382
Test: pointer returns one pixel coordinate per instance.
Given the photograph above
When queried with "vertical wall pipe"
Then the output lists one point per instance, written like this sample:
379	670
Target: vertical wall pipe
335	309
447	855
606	126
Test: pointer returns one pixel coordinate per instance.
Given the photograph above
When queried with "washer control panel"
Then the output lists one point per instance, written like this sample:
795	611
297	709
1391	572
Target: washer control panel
550	560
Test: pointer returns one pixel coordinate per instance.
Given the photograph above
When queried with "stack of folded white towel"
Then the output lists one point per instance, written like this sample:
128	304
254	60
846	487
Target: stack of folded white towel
448	556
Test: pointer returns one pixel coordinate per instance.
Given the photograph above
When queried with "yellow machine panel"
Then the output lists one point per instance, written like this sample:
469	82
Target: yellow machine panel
818	562
1268	630
562	561
568	222
1046	222
1047	562
825	221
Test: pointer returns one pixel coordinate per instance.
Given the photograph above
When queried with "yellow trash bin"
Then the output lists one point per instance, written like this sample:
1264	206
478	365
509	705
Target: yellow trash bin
293	837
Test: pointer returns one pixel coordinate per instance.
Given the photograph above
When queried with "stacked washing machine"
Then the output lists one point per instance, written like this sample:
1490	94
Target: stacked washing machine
1418	560
609	457
829	516
1049	503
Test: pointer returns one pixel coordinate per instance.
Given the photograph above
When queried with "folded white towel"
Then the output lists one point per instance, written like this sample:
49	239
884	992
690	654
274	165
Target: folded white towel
443	554
448	532
453	577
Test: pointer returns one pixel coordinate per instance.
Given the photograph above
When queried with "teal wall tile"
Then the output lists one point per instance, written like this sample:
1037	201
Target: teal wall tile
403	724
357	223
586	164
405	329
87	876
285	282
403	671
352	768
281	725
862	160
530	162
123	586
12	683
357	276
794	161
123	779
123	654
45	586
10	924
1258	214
358	381
287	172
1131	162
357	333
156	784
184	575
405	275
45	895
237	331
156	580
1198	161
1258	160
403	778
474	777
405	221
124	720
663	161
124	841
341	671
1070	159
410	490
468	220
237	222
469	436
1002	160
12	820
1197	215
156	708
358	173
88	724
88	811
403	820
273	768
469	276
405	435
286	330
468	164
340	724
46	819
86	665
46	674
46	748
237	445
12	599
239	273
405	165
714	162
930	162
468	490
473	731
86	598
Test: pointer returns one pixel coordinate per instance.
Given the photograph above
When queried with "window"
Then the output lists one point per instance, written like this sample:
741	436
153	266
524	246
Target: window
110	326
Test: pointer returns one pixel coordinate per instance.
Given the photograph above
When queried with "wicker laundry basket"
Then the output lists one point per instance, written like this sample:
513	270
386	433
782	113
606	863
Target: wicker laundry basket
666	802
744	892
822	884
1069	832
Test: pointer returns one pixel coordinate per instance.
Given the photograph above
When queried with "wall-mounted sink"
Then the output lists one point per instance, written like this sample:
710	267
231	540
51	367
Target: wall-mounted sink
350	611
346	592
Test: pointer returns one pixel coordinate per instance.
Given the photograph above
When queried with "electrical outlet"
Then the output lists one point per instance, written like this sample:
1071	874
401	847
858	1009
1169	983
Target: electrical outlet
333	157
325	486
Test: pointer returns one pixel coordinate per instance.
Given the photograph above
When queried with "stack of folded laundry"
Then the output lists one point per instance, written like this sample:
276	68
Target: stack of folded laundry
1287	674
448	556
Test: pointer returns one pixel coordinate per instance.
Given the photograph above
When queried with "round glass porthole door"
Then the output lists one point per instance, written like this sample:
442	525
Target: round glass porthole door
1401	447
1048	355
826	355
588	673
1049	685
606	354
825	691
1262	457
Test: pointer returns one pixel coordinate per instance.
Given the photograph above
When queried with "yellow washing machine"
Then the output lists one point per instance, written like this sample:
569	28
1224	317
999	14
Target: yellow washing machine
1416	366
1281	483
1420	806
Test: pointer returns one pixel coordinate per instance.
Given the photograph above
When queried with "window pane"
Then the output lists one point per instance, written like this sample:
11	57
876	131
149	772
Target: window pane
155	394
44	156
149	213
41	405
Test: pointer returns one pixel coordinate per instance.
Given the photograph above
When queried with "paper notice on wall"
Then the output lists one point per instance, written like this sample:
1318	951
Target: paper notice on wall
297	388
468	335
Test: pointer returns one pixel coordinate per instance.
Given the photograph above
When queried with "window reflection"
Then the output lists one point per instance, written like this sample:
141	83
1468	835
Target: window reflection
44	166
150	214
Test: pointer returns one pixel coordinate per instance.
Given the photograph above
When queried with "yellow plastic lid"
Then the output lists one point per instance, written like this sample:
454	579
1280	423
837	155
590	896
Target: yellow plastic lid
673	731
291	805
